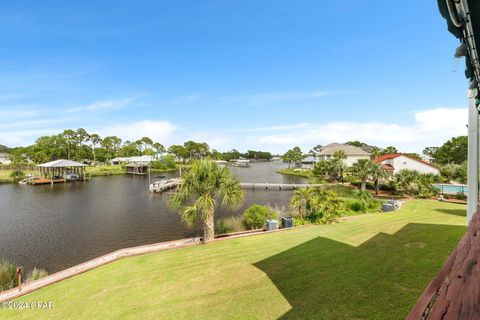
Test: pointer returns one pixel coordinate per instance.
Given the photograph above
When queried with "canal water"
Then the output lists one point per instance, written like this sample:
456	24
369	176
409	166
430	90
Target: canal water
56	227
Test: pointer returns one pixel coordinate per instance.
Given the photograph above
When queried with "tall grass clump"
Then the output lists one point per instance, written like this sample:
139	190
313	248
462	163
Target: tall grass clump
36	274
8	275
230	224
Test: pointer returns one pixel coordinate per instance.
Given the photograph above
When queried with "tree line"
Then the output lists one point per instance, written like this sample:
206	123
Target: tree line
82	146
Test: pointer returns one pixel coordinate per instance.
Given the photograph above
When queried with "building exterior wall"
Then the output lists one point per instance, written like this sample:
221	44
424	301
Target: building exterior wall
403	162
5	159
350	160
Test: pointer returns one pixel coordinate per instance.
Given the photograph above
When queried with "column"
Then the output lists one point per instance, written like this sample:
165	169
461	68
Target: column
472	155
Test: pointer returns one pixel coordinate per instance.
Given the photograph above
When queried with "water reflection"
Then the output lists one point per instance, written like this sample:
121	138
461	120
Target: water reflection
55	227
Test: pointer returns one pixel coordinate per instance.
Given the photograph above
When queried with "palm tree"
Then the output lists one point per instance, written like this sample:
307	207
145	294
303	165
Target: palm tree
81	135
158	147
146	142
331	207
69	136
107	144
362	169
203	185
323	168
377	172
408	180
301	201
389	150
95	140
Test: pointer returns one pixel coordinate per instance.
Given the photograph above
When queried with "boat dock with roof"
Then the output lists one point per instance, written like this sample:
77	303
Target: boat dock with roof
58	171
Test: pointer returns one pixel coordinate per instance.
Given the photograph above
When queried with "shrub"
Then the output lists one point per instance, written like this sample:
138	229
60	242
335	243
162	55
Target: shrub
461	196
356	205
256	215
164	163
373	205
17	175
36	274
389	187
231	224
8	275
300	222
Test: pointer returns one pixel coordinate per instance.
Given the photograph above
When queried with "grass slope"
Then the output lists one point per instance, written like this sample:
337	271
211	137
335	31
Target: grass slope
5	175
369	267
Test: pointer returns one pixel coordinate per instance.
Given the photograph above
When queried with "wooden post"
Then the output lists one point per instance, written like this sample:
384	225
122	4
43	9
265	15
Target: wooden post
19	278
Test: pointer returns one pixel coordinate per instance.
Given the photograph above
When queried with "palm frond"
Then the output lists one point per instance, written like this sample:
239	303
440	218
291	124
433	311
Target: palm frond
189	214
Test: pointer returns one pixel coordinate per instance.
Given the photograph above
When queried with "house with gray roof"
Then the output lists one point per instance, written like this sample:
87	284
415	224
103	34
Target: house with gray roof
352	153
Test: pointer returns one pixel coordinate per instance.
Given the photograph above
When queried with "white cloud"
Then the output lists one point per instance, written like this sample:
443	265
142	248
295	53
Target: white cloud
244	100
159	131
23	137
103	105
271	97
442	119
431	127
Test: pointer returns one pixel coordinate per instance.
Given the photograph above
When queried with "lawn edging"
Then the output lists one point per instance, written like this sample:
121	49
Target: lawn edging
93	264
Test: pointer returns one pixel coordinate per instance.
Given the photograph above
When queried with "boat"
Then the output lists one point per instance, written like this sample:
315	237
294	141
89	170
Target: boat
161	185
243	163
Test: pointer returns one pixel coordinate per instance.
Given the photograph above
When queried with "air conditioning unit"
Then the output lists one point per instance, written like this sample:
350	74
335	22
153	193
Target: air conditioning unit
287	222
271	225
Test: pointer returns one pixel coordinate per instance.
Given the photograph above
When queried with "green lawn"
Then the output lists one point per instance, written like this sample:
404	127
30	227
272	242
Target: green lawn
114	170
105	170
296	172
369	267
5	175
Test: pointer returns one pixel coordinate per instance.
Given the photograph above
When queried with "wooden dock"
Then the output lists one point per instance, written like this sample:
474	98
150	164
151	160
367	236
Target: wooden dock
277	186
164	185
46	181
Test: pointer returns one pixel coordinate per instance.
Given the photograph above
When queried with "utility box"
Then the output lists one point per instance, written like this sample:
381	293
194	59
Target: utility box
391	205
395	203
271	225
287	222
388	207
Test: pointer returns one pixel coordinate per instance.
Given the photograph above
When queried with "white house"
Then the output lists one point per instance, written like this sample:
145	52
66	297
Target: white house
5	158
395	162
143	160
352	153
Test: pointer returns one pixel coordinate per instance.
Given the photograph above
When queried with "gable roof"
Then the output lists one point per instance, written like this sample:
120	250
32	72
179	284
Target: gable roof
331	148
396	155
61	163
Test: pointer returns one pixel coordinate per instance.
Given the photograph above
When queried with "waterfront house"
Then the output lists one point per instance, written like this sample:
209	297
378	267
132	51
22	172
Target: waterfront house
140	160
352	153
308	162
137	168
395	162
5	158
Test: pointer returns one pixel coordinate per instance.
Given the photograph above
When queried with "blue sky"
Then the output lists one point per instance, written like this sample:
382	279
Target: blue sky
236	74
